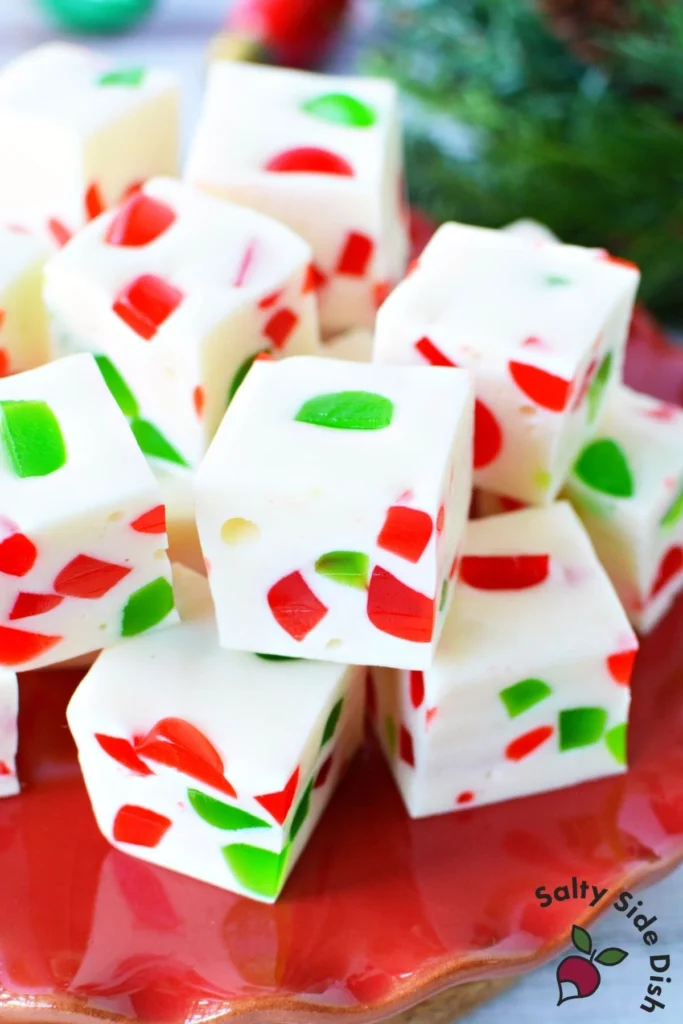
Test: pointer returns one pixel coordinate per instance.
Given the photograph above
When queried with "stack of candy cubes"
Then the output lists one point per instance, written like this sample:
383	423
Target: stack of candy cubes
238	444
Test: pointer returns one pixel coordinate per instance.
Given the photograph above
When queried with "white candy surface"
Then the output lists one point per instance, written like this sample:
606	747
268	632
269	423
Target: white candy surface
529	689
9	709
331	505
541	327
321	153
627	486
23	324
82	537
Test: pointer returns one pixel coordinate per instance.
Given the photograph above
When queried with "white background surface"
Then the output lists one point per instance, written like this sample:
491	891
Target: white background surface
176	36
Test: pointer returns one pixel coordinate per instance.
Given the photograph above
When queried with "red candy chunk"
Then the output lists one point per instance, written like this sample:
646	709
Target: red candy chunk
180	745
269	300
89	578
432	354
543	388
18	646
309	160
356	255
669	567
59	232
323	774
140	220
584	385
406	532
139	826
399	610
94	201
417	688
244	266
17	555
27	604
294	606
314	279
122	751
528	742
4	357
405	747
466	797
620	666
153	521
504	572
199	400
146	303
488	436
280	326
278	804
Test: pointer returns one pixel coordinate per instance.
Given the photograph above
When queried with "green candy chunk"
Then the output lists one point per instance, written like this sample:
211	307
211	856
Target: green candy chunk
259	871
241	373
444	595
596	391
332	722
349	568
340	108
579	727
123	396
32	438
674	512
603	466
153	443
221	815
557	279
129	77
616	742
347	410
147	607
390	733
524	695
301	812
276	657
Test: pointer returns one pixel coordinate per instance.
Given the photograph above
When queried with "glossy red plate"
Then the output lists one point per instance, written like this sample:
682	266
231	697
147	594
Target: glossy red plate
380	913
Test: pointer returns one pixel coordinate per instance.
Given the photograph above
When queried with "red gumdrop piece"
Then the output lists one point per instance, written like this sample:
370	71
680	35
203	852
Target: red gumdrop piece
504	572
294	606
543	388
356	255
17	555
146	303
269	300
5	769
153	521
278	804
440	519
89	578
314	279
280	326
405	747
399	610
620	666
59	232
406	532
323	775
417	688
180	745
18	646
488	436
510	504
669	567
432	354
309	160
94	201
199	400
465	797
140	220
27	605
245	265
381	292
430	715
4	356
188	736
585	384
122	751
528	742
139	826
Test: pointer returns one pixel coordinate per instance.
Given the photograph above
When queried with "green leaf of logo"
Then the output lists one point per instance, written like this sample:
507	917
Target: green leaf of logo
347	410
611	957
581	939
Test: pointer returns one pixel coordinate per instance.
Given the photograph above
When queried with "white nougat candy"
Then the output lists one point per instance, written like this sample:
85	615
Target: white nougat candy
541	327
224	779
9	709
323	155
177	484
330	508
529	690
177	293
23	323
78	134
627	486
82	534
354	345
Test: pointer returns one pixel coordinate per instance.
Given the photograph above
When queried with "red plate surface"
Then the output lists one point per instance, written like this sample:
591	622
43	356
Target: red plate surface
380	912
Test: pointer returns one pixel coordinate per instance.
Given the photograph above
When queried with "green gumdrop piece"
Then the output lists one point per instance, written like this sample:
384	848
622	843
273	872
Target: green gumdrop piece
123	396
524	695
390	733
301	812
221	815
32	438
347	410
332	722
444	595
147	607
557	279
579	727
276	657
616	742
674	511
340	108
153	443
259	871
241	373
347	567
597	386
602	465
129	77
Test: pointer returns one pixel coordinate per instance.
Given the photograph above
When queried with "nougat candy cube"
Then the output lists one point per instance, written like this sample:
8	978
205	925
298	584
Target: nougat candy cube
541	327
79	134
354	345
177	489
23	323
322	154
9	709
627	486
177	293
529	690
82	534
224	779
330	508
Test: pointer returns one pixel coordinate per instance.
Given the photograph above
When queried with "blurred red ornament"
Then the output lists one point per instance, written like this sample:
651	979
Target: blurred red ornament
294	33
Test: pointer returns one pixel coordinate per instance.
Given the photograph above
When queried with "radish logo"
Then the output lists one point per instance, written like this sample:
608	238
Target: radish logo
578	977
